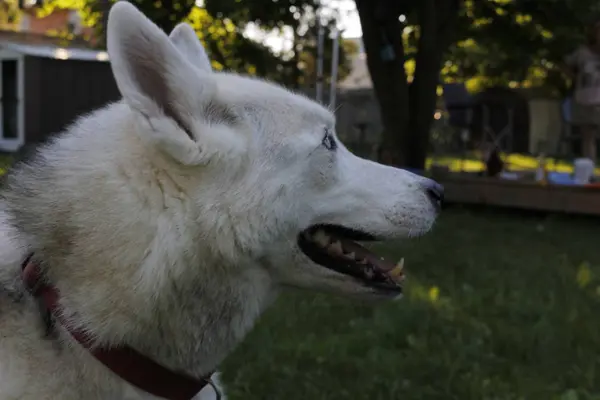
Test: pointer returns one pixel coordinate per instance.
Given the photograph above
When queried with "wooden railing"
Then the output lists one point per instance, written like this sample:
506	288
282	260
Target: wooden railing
524	195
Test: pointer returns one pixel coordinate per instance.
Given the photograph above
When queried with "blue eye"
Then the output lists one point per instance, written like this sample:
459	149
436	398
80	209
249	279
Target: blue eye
329	141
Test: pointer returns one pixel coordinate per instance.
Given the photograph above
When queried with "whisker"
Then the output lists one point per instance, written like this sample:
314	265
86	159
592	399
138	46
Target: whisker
337	108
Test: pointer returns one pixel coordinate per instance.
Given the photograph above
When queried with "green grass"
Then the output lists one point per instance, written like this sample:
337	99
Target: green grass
498	307
6	160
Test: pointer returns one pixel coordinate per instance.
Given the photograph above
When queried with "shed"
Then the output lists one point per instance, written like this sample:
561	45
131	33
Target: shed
44	87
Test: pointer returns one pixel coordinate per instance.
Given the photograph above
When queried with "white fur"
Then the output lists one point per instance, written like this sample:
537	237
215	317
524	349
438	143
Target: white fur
168	221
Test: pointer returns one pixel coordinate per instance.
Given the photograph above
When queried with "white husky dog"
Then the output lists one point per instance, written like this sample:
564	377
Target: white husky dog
163	225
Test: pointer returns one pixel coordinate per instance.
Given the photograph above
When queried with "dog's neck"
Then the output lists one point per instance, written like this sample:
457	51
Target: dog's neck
188	328
206	323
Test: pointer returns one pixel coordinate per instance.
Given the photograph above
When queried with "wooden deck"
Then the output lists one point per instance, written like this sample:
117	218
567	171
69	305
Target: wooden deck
524	195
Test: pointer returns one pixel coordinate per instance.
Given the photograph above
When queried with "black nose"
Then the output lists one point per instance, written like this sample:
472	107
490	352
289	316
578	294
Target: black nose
435	192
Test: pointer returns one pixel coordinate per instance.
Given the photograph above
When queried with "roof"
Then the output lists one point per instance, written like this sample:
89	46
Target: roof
359	77
61	53
50	47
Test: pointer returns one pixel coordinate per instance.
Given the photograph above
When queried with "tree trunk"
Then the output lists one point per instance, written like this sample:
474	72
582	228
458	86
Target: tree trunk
406	111
423	89
389	79
436	24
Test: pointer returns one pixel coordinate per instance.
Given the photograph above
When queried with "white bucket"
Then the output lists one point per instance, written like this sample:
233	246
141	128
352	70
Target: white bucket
583	171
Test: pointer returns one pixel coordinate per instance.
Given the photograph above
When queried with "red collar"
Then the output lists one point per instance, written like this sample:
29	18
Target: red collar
128	364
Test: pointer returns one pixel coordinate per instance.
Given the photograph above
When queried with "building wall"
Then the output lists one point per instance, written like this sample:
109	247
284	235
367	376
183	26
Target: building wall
58	91
360	106
545	125
358	121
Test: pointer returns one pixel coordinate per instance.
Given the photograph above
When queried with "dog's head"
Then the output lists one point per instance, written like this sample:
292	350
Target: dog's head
264	169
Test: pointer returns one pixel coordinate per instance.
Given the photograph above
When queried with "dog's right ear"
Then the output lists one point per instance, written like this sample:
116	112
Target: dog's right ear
159	83
185	39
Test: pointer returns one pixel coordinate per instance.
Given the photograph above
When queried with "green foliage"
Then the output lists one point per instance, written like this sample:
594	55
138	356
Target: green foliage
519	43
87	9
165	13
348	49
497	306
516	43
266	13
296	66
228	48
9	14
220	25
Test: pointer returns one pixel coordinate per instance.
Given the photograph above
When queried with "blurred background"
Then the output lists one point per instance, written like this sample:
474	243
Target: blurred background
499	100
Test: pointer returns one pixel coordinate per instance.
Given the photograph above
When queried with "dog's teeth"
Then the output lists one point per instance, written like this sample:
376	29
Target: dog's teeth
336	248
369	273
400	263
321	238
351	256
397	271
363	261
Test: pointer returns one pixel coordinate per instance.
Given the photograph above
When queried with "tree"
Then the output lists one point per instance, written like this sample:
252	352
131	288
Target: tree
298	17
308	61
515	43
406	108
220	26
518	43
9	14
166	13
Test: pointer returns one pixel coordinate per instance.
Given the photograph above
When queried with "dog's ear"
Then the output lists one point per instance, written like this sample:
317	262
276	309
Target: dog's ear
185	39
158	81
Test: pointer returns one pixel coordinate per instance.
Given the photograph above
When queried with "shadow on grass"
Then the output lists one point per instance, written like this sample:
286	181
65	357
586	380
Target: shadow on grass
497	307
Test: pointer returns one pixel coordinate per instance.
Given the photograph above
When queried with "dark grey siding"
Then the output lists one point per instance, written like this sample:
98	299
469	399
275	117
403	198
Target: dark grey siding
57	91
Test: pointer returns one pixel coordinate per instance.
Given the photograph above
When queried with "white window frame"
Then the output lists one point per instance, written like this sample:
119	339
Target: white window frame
14	144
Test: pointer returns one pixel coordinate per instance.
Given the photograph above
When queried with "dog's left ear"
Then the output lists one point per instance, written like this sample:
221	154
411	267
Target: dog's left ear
160	84
187	42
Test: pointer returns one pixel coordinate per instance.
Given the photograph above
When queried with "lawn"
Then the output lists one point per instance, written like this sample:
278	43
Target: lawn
498	306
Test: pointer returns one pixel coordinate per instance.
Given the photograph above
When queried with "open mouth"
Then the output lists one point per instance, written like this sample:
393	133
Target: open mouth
335	247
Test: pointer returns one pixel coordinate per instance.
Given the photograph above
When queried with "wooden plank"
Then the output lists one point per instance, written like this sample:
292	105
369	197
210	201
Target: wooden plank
518	194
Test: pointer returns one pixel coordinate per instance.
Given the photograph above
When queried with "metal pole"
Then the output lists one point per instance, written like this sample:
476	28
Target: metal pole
105	6
320	42
334	68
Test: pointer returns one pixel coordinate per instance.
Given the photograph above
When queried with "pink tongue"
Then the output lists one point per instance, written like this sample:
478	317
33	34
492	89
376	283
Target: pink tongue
362	253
